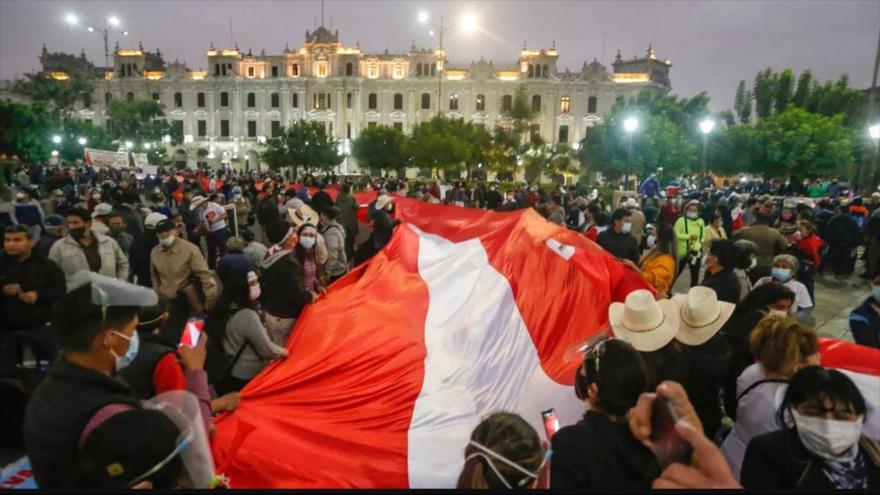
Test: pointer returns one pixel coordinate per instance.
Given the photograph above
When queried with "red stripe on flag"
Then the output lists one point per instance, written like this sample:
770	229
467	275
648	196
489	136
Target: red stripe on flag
844	355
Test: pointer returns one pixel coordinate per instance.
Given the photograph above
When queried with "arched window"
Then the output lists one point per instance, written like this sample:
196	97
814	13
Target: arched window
418	70
591	104
372	101
544	72
398	101
426	101
453	101
506	103
349	69
565	104
481	103
434	69
536	103
531	71
129	96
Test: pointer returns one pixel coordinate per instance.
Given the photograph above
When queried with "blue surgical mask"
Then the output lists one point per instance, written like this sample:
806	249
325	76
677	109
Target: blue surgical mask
307	242
781	274
126	359
875	292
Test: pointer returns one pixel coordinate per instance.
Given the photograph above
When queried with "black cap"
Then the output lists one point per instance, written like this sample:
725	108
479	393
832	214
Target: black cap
165	226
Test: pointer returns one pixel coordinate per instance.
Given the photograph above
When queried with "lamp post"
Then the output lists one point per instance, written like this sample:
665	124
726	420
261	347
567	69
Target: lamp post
56	139
629	125
469	24
874	132
706	127
111	24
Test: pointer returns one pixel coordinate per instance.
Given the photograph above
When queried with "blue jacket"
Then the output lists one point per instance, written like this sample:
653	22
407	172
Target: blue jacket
650	188
233	261
864	323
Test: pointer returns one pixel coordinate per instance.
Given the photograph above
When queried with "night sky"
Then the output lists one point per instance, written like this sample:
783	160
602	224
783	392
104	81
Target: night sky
712	44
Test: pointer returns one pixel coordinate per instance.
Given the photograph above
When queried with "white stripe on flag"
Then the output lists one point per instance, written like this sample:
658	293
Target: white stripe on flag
869	386
480	359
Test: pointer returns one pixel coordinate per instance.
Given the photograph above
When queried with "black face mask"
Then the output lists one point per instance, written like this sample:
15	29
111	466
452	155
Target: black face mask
77	233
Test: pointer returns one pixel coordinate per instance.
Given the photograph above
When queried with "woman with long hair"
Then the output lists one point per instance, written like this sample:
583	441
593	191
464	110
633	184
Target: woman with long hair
306	253
504	452
660	264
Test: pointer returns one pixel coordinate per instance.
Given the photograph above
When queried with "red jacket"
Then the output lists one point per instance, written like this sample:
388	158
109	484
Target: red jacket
810	247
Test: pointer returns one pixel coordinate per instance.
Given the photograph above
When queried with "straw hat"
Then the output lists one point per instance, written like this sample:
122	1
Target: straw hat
643	322
382	201
701	315
196	202
303	214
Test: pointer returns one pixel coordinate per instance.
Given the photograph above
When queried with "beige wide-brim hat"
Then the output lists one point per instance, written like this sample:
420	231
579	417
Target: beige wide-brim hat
701	315
645	323
196	202
382	201
303	214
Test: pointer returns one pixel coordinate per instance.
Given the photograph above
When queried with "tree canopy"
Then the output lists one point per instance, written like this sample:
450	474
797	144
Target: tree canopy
381	149
26	131
304	144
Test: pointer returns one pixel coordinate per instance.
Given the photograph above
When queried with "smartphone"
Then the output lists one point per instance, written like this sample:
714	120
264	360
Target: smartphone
551	422
191	332
669	447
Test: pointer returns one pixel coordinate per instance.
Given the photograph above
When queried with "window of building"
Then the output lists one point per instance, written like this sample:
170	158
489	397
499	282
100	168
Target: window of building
349	69
224	128
348	130
418	70
200	98
177	130
370	125
545	72
426	101
294	70
276	100
372	101
328	100
178	100
250	72
531	71
252	128
536	103
276	128
223	69
398	72
216	69
565	104
591	104
108	97
535	132
203	128
563	134
129	96
155	96
373	71
224	99
398	101
348	100
296	100
398	126
251	100
274	71
481	103
87	100
434	69
330	129
506	103
453	102
321	68
321	101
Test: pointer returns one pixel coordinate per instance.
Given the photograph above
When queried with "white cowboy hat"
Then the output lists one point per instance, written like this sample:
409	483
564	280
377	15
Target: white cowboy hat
382	201
102	210
303	214
153	219
196	202
643	322
701	315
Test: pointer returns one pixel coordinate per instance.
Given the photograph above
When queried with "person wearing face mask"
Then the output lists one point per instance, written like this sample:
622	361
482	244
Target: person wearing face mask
509	203
55	230
504	452
618	239
83	249
334	237
721	260
117	232
493	197
864	321
745	260
770	243
243	210
95	322
806	248
657	266
786	224
286	294
785	268
821	445
690	232
181	278
245	339
781	347
600	452
715	230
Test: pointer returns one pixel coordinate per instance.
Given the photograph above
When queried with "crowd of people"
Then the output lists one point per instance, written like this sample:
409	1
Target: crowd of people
127	286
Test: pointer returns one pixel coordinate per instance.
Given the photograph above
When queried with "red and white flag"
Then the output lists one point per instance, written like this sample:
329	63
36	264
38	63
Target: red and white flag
464	313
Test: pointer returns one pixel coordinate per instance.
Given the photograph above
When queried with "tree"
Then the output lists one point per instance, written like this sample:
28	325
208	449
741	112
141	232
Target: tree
765	83
26	131
800	144
802	91
441	144
72	130
139	121
59	96
304	144
743	103
784	86
735	149
381	149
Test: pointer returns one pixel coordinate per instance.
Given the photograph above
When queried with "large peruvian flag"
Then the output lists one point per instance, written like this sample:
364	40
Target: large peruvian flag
464	313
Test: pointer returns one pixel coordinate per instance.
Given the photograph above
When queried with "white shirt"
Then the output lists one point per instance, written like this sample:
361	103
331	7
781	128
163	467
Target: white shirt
755	414
801	294
213	211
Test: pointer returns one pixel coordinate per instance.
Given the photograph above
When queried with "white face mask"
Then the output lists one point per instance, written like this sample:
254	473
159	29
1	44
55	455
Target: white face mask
167	241
692	215
651	241
307	242
777	312
627	228
831	439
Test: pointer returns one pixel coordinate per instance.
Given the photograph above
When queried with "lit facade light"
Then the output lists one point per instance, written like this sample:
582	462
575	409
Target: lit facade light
707	125
211	156
147	146
431	33
90	29
125	33
56	139
631	124
166	138
71	19
82	141
874	131
113	21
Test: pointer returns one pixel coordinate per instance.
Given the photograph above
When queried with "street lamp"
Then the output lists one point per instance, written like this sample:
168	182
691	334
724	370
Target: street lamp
166	139
147	146
874	132
129	144
56	139
630	124
110	24
706	127
54	152
82	141
469	24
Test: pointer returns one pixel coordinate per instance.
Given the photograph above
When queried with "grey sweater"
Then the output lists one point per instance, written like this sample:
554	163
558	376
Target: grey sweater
245	326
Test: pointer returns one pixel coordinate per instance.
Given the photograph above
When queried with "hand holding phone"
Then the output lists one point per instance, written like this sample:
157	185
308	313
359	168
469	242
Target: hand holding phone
551	422
668	445
191	332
